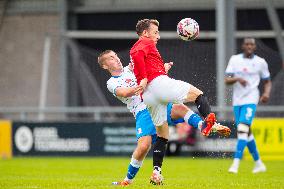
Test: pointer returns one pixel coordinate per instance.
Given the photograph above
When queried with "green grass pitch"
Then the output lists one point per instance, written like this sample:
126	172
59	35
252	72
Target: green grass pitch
45	173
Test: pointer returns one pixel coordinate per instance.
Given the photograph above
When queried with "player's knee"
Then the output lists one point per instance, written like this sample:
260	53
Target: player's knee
179	107
243	131
193	94
163	130
196	92
144	147
179	111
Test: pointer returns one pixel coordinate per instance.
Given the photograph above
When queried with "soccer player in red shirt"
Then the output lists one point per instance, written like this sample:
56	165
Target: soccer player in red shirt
159	90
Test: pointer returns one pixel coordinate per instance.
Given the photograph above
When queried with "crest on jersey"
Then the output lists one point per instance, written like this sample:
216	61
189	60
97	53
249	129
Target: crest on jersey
139	130
128	81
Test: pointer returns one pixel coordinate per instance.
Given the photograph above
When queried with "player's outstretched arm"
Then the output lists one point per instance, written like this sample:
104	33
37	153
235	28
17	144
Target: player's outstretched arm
128	91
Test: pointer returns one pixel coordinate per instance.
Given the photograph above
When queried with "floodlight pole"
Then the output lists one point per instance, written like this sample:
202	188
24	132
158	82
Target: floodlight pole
276	25
225	20
63	51
44	77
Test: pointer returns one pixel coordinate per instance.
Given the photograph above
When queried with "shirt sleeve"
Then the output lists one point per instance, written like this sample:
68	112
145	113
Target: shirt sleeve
112	86
139	64
264	72
230	68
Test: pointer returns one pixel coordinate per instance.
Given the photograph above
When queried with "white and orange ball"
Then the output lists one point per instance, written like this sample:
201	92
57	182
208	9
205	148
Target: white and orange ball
188	29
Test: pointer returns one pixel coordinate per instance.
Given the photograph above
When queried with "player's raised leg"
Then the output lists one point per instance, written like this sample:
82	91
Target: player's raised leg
195	95
179	113
170	90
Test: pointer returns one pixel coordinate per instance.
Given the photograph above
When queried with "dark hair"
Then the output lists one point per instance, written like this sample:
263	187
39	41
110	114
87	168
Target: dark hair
100	57
144	25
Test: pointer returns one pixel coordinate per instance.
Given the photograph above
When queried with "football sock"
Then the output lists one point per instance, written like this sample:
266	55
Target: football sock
133	168
193	119
202	105
159	151
159	169
241	144
252	147
236	162
258	162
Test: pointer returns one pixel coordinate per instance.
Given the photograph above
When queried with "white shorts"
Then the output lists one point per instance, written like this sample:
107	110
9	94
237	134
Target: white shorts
159	92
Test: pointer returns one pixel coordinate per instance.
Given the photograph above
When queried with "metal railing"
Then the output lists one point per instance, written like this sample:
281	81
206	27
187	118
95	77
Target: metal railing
98	113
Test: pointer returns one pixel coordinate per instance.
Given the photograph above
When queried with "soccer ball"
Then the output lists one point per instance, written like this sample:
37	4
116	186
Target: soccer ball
188	29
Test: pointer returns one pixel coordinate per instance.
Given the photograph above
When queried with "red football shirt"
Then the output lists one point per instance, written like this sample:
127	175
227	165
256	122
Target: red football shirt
146	60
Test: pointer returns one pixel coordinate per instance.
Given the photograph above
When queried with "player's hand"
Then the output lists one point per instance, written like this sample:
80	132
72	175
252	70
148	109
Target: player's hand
242	82
130	67
168	66
264	98
143	84
138	90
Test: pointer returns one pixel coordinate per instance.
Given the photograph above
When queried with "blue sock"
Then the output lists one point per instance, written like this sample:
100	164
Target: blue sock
192	119
252	148
133	168
241	144
132	171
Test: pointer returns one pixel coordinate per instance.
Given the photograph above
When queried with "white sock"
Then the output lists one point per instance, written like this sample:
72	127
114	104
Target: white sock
236	161
128	180
187	115
158	168
258	162
200	125
136	163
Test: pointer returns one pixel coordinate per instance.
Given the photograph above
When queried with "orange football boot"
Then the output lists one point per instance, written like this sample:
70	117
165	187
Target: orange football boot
209	121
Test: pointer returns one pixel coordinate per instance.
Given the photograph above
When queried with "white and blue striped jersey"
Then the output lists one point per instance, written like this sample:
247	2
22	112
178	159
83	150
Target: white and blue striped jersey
250	69
126	79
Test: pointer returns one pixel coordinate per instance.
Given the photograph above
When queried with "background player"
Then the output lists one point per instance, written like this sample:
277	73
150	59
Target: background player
123	85
244	71
159	89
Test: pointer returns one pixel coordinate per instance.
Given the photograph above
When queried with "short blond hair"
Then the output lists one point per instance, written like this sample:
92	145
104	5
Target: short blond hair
145	24
101	60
